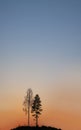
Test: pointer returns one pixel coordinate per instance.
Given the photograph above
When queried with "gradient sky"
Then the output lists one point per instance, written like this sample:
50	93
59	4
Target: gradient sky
40	48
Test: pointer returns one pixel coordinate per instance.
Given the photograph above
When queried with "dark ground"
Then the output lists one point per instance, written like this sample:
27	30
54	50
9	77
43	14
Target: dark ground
35	128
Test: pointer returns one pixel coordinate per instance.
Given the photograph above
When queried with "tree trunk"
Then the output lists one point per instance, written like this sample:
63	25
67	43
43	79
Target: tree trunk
36	121
28	116
29	110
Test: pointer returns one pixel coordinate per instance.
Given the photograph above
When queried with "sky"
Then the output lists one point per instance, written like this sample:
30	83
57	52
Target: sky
40	48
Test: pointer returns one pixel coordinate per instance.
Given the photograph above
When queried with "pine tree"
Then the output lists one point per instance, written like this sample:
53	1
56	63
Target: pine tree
36	108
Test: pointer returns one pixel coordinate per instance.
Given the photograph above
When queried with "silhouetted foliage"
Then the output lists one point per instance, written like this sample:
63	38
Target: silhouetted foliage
35	128
36	108
28	103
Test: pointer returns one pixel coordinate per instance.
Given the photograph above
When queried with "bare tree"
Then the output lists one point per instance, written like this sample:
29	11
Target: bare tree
36	108
28	103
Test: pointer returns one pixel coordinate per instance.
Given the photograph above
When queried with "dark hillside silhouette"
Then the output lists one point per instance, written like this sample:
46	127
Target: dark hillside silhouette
35	128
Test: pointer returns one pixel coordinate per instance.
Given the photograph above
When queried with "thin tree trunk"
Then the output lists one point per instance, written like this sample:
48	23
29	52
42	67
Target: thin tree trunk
36	120
28	116
29	110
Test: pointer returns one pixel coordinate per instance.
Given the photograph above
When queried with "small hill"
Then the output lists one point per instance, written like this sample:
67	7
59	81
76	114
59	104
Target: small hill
35	128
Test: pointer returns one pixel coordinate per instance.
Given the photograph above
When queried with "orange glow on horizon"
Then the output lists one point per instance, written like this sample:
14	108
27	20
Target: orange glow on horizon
55	118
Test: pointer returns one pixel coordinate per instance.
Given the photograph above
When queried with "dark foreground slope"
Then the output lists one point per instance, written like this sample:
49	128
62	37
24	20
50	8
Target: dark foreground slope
35	128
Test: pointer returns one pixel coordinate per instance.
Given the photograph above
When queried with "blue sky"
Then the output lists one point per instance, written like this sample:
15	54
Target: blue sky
40	35
38	32
41	26
40	42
